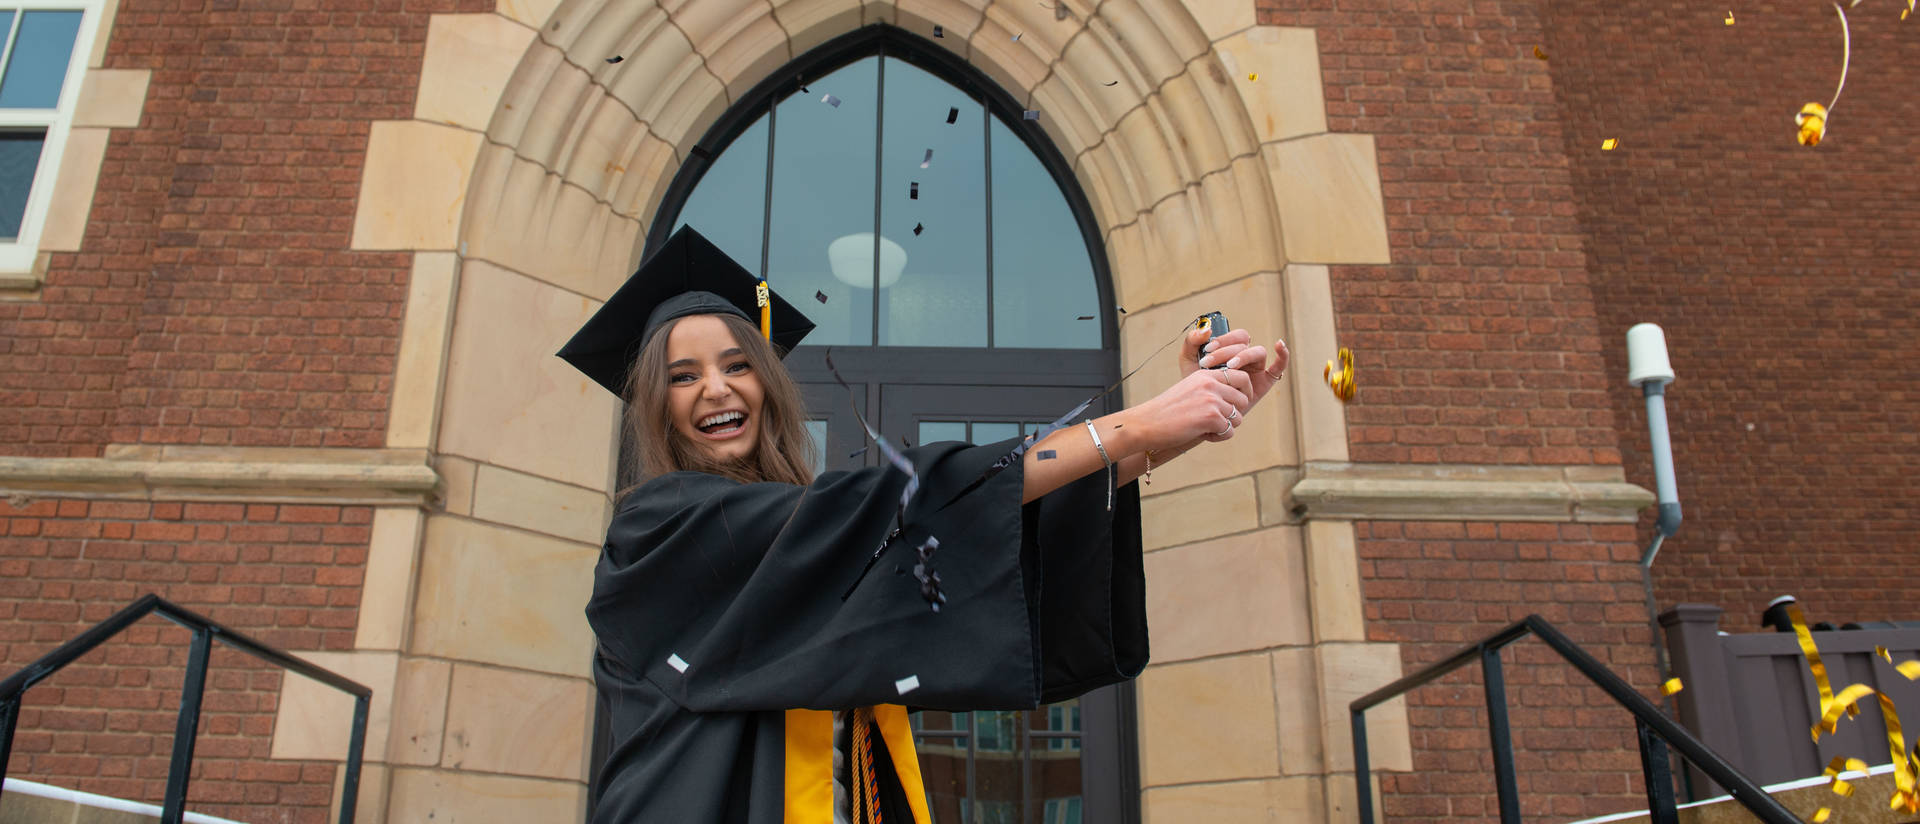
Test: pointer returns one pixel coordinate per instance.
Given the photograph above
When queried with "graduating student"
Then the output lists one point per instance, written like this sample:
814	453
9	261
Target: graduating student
754	670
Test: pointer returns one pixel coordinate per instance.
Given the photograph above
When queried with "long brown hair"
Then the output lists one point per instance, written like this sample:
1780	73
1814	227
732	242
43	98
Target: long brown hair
784	453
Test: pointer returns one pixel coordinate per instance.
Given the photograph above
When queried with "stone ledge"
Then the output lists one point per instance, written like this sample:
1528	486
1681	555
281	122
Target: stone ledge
1449	492
240	474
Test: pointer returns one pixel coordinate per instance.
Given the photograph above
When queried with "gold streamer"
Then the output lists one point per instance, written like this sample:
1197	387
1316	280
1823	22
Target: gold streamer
1341	382
1842	763
1814	665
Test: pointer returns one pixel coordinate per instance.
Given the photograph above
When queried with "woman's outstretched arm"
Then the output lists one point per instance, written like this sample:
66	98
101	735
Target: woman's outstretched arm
1204	405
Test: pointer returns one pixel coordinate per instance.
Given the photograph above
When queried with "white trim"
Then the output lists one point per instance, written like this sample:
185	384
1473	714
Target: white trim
102	802
19	255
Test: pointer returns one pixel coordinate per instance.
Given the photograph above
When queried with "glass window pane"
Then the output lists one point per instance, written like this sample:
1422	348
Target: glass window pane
19	156
39	62
940	297
817	430
728	205
1042	277
993	432
935	431
823	193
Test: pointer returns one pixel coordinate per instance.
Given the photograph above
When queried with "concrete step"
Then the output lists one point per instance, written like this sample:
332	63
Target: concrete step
30	802
1867	805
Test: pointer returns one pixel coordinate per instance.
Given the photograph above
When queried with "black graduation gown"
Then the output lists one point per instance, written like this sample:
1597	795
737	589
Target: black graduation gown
718	606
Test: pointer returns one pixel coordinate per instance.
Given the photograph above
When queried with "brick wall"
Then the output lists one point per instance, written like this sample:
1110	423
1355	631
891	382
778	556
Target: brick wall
286	575
1435	587
214	300
1477	345
1784	276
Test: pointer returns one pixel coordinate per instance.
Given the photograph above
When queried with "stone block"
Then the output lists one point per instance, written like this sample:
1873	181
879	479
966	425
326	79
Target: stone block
314	721
469	59
1219	18
1204	118
534	221
1234	594
420	368
419	711
1209	720
810	23
370	802
474	798
1263	801
534	13
1327	188
509	401
413	186
500	721
1276	71
111	98
1017	66
1348	671
1333	582
502	596
1198	513
1218	231
1296	706
540	505
80	160
456	483
386	596
1308	295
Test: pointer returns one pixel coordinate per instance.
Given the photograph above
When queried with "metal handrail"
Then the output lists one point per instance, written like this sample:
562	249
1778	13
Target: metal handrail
13	691
1653	728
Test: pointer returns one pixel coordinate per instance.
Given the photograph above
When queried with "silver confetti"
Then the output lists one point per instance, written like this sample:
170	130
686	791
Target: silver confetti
830	100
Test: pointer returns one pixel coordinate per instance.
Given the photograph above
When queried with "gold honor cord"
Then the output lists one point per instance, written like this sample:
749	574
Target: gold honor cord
1906	765
766	310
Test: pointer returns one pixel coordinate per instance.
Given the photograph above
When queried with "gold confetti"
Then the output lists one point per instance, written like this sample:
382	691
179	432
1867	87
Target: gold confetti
1539	52
1821	815
1672	686
1729	17
1883	653
1253	76
1906	767
1341	382
1608	144
1812	121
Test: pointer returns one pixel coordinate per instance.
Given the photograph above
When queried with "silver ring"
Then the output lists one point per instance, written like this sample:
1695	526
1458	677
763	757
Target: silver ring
1233	414
1225	431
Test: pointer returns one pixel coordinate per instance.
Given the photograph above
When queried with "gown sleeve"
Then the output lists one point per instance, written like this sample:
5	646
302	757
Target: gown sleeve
729	597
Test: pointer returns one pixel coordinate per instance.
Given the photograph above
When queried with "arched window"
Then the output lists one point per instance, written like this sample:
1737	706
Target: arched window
908	206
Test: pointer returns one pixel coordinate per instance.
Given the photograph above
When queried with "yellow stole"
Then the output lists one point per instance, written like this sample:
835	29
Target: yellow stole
809	757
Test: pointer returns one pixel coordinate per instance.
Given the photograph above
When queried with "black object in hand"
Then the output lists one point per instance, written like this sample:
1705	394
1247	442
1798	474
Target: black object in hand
1216	325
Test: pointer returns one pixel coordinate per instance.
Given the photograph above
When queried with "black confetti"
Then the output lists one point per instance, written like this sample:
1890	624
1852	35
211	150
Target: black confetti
1111	83
820	296
701	152
1123	309
1030	114
939	32
953	113
615	59
857	452
1016	38
913	193
917	229
1046	454
1084	317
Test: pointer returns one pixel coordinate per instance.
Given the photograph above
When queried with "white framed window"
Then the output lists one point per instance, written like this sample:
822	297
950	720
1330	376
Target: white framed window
42	60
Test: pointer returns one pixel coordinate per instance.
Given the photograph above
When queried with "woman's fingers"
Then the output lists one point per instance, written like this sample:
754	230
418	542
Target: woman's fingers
1190	350
1224	354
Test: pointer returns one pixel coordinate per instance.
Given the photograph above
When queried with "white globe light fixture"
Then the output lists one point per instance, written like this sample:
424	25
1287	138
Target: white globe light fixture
851	257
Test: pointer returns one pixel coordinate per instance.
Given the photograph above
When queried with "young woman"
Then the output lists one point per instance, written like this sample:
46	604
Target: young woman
759	632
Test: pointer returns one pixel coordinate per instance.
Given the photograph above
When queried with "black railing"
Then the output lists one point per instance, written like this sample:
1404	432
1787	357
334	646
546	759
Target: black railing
1655	731
13	692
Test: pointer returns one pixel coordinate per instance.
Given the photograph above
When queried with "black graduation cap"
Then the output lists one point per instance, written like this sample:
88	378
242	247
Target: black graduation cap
687	275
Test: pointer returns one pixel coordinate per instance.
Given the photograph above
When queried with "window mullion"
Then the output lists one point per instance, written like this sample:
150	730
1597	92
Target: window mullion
13	34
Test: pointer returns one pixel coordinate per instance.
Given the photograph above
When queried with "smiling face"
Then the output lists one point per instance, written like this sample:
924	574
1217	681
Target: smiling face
713	396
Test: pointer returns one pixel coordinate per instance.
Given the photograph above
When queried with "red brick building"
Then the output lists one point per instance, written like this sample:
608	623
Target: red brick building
275	339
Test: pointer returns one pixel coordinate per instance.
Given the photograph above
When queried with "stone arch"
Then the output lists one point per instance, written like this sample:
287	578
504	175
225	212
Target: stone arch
525	183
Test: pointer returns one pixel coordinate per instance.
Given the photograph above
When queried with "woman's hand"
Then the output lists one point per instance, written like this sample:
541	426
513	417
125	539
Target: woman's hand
1206	404
1234	350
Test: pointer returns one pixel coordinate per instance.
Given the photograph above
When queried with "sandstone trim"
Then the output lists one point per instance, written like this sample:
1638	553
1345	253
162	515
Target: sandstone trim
263	475
1449	492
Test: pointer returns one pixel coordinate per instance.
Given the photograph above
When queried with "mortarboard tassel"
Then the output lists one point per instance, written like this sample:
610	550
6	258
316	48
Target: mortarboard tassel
766	310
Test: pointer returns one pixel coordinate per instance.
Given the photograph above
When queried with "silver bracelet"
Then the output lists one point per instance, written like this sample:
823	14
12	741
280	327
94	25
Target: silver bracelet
1103	456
